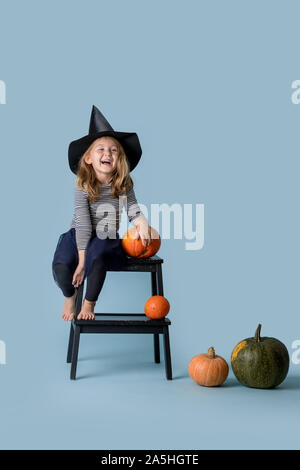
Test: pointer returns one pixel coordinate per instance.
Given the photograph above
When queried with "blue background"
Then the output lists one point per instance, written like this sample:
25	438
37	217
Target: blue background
207	87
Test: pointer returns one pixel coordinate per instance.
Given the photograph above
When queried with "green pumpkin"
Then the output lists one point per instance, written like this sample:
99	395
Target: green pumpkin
260	362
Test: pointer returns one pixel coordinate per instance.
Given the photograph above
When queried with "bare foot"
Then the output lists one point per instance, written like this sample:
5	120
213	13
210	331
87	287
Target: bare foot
87	311
69	308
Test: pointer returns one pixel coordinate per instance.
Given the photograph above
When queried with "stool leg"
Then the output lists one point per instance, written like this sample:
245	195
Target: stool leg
154	283
75	352
156	348
156	335
168	363
160	280
71	341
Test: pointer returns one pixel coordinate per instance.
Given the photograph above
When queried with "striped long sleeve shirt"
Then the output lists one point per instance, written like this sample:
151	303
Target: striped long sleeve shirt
103	215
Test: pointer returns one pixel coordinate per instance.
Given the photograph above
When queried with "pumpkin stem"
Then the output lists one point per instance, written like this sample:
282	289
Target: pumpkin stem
257	334
211	353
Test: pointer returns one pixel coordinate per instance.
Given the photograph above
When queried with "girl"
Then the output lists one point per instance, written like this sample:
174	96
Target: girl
102	161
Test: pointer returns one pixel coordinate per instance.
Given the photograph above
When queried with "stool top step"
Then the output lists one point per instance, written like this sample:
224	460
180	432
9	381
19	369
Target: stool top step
152	260
141	264
116	319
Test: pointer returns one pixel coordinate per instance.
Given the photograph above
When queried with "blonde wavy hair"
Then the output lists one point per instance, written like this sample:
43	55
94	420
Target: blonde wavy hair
121	179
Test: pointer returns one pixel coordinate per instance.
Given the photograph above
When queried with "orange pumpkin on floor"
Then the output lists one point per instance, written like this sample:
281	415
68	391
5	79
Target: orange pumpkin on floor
208	369
157	307
135	248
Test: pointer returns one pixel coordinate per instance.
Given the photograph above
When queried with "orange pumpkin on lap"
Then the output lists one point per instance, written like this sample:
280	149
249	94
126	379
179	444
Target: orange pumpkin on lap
135	248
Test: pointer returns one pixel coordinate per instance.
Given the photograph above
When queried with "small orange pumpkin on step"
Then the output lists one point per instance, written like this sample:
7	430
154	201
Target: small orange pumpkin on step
135	248
157	307
208	369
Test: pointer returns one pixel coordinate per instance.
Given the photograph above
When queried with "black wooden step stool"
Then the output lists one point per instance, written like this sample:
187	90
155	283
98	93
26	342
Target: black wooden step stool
124	322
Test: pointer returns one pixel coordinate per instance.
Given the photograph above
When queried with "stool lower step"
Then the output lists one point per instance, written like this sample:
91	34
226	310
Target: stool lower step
77	329
123	319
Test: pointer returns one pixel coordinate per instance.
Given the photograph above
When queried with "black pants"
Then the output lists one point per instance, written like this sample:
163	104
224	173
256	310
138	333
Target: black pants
95	279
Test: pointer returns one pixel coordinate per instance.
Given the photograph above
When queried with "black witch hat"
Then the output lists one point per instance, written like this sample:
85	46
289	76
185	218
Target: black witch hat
100	127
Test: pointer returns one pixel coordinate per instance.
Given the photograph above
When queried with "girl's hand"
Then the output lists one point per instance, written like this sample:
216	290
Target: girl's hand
143	230
78	275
